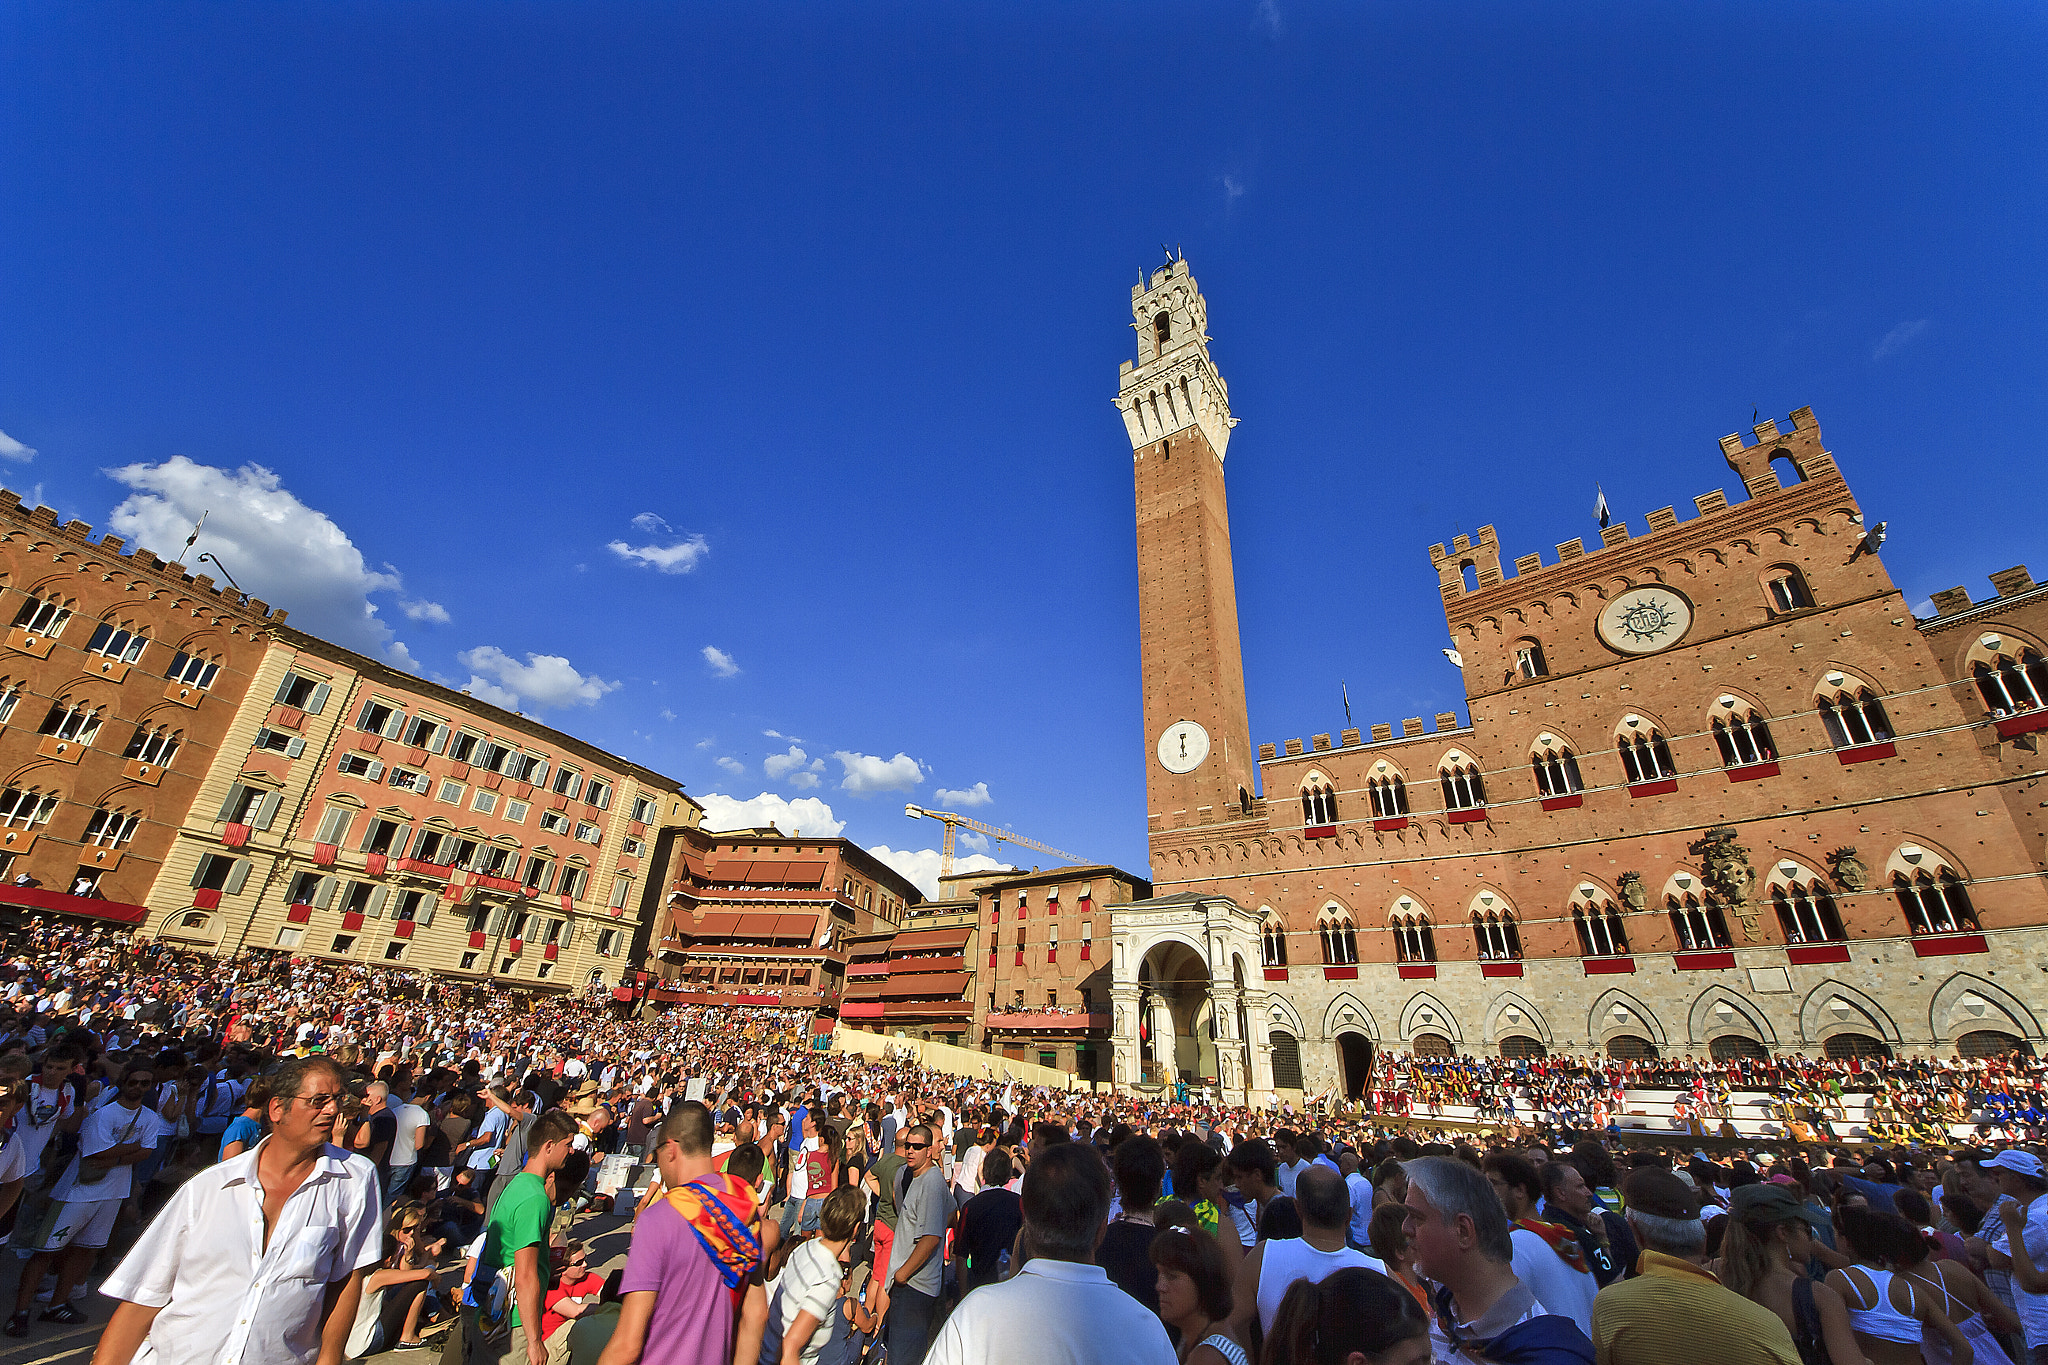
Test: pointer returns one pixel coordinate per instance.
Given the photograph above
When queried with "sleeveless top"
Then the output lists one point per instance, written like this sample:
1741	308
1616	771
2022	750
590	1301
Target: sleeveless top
1225	1347
1882	1321
1287	1259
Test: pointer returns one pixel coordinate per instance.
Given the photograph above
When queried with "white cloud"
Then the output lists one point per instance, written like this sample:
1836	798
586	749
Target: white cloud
11	449
781	765
921	865
278	548
976	795
967	838
546	681
647	523
401	657
803	781
417	610
777	734
489	691
1267	19
667	714
1233	189
708	742
1894	341
807	814
680	557
732	766
865	774
721	662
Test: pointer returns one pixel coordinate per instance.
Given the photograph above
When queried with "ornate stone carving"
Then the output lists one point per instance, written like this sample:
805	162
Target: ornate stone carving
1632	893
1850	871
1725	868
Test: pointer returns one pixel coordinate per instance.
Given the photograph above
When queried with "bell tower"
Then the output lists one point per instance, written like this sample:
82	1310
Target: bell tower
1176	409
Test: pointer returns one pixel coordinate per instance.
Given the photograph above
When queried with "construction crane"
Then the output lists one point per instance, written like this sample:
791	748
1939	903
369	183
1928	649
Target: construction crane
1001	836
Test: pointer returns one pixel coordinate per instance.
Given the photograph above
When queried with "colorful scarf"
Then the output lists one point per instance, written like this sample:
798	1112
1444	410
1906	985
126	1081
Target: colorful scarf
722	1222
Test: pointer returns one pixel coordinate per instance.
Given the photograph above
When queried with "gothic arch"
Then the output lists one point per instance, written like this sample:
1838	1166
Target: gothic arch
1441	1021
1948	1018
1361	1020
1601	1023
1532	1021
1281	1014
1817	1021
1703	1023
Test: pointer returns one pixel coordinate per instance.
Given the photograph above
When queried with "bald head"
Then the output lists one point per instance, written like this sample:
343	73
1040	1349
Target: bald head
1322	1199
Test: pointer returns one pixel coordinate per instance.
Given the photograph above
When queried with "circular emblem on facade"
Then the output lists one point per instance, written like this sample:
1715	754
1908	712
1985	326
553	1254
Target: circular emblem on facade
1182	747
1645	620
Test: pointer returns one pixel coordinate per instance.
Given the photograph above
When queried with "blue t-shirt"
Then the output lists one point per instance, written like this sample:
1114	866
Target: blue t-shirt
244	1129
495	1124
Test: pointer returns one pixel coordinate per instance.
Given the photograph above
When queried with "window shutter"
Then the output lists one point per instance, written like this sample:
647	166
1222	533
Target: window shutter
363	716
199	871
376	773
374	907
393	726
237	874
439	739
294	747
323	894
284	688
318	701
575	786
498	920
227	807
426	912
369	834
268	810
604	799
540	775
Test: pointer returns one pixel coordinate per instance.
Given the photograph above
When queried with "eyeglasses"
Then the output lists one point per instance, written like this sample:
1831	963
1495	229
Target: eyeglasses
319	1101
917	1146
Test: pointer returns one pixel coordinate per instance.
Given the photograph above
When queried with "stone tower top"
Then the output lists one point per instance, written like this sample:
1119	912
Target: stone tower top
1174	384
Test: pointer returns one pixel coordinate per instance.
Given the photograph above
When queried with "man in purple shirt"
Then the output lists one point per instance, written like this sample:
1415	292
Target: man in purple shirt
676	1309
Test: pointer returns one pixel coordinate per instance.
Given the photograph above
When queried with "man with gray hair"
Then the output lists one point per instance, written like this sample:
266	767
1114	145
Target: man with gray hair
1461	1240
1675	1310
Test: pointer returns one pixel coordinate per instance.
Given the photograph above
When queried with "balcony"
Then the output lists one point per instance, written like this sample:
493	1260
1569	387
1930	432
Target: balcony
422	868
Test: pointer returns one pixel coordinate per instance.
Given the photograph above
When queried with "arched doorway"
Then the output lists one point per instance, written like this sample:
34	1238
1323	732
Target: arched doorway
1286	1060
1432	1045
1627	1047
1737	1047
1843	1046
1179	1040
1354	1064
1521	1047
1991	1043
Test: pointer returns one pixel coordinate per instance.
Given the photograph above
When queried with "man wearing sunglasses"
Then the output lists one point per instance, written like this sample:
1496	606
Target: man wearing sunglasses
259	1260
910	1288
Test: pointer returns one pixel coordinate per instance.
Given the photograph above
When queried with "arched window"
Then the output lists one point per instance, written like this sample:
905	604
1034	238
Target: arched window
1389	796
1843	1046
1736	1047
1806	907
2013	679
1695	925
1786	588
1645	757
1463	789
25	809
43	616
1740	733
1414	941
71	720
154	745
1597	921
1318	803
1162	329
117	643
1273	944
1340	942
1556	768
1496	936
1935	901
1853	714
1517	1047
1529	662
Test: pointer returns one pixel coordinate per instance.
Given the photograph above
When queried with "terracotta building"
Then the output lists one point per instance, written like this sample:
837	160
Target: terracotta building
119	682
763	917
361	812
1718	791
1043	990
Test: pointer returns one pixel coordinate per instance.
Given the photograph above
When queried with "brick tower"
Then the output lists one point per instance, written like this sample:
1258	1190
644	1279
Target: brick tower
1199	763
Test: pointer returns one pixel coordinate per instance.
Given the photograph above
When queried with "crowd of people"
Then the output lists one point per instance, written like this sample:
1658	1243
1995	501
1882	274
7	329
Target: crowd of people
279	1159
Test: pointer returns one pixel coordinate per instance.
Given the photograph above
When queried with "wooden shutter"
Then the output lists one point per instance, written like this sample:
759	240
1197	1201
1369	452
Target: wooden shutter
323	893
227	807
425	915
199	872
438	741
237	874
284	688
498	920
267	812
294	747
374	907
376	773
318	701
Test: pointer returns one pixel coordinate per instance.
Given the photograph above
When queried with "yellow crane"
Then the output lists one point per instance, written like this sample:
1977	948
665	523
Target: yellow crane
1001	836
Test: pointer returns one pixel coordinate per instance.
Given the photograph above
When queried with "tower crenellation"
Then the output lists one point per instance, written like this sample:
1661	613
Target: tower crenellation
1173	385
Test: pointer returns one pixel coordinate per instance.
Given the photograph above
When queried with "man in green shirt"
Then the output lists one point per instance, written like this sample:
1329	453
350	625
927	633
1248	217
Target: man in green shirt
515	1245
882	1180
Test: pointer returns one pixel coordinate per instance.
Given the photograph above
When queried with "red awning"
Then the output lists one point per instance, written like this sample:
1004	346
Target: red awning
805	874
857	1011
36	898
930	939
866	990
927	985
714	925
802	927
756	928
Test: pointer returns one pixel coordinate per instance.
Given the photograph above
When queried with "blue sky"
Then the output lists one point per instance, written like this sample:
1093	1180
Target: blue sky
578	340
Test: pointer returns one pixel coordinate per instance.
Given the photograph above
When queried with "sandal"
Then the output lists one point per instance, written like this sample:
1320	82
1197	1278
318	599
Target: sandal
411	1345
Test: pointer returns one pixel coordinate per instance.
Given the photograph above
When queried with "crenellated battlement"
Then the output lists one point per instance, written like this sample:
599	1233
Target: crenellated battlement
144	561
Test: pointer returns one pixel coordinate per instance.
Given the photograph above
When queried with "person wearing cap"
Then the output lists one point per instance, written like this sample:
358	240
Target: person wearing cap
1764	1255
1674	1312
2020	1243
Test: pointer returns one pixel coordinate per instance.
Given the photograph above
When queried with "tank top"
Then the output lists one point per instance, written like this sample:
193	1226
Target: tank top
1287	1259
1225	1347
1882	1321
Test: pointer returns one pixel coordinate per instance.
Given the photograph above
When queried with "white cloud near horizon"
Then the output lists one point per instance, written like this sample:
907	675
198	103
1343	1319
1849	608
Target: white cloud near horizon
11	449
545	682
279	549
865	774
1898	338
976	795
805	814
721	663
921	866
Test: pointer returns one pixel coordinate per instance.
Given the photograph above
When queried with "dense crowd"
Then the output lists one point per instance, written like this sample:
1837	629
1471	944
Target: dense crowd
800	1206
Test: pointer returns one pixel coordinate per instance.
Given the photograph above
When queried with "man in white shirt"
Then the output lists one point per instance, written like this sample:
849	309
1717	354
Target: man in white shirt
1060	1305
259	1260
2023	1210
411	1137
1288	1159
88	1197
1548	1257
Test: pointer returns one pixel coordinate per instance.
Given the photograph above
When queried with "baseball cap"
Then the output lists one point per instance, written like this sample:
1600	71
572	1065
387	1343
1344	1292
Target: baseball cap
2020	1163
1659	1193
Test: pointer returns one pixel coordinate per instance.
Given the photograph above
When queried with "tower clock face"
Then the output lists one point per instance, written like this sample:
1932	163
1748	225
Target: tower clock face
1645	620
1182	747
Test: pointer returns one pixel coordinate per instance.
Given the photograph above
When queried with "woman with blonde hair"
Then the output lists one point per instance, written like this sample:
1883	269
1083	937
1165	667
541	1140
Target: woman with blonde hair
1764	1253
